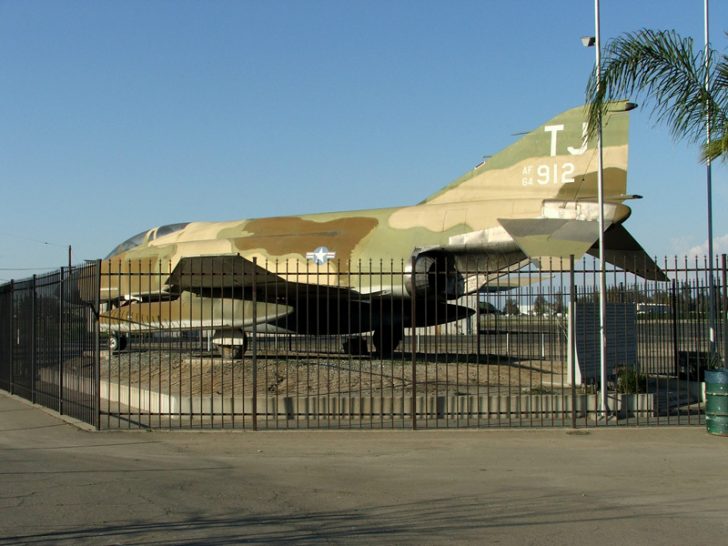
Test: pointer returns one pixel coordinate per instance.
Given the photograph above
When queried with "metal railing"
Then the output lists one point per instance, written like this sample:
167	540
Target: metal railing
49	350
365	345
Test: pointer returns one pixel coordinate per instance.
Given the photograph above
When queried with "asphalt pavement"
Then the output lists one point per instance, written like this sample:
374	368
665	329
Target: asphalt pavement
60	484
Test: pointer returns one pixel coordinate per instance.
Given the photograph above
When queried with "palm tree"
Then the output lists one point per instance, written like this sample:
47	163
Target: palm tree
685	94
665	69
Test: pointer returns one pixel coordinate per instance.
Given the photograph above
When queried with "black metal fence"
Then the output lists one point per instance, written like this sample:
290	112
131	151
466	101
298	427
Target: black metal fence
368	345
49	351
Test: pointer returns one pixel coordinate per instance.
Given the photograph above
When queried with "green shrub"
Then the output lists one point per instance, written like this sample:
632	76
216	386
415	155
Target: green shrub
630	381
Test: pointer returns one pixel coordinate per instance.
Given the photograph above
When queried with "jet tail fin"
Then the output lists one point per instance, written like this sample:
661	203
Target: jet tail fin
556	160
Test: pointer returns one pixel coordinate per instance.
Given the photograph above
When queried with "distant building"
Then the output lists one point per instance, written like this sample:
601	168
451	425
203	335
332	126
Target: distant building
653	309
526	309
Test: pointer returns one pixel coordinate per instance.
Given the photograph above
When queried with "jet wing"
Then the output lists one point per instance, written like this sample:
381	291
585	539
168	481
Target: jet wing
200	273
231	275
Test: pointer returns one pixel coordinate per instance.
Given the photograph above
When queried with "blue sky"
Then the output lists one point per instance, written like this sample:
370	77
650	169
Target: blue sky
119	116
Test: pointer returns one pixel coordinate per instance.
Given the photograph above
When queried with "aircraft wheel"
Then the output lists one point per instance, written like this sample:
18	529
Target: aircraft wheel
356	346
117	342
231	344
231	352
386	340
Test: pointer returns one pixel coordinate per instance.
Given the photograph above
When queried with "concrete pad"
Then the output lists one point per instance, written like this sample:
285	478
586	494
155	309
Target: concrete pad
63	485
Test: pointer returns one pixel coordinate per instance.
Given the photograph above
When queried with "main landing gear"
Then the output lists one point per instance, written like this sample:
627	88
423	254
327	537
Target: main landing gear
231	344
118	342
387	339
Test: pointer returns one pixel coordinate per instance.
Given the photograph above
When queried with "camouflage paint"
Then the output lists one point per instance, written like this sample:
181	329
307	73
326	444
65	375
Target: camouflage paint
547	180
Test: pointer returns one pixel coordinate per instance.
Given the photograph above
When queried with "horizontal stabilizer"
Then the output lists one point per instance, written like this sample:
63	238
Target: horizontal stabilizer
622	250
552	236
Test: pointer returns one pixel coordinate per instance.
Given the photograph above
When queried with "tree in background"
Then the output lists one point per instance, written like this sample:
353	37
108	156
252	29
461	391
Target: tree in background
664	69
511	307
539	305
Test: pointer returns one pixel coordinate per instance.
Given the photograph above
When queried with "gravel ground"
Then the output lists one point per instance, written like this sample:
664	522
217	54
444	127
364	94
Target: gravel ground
291	374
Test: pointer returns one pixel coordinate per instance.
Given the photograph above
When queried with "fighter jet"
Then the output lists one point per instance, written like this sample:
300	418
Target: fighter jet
382	270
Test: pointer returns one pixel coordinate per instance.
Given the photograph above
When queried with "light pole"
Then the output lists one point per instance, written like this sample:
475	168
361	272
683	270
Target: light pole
595	41
709	183
591	41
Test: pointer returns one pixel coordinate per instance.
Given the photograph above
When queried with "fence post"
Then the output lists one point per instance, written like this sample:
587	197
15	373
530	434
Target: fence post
413	341
32	342
61	295
97	347
572	344
254	348
675	341
477	327
13	336
724	314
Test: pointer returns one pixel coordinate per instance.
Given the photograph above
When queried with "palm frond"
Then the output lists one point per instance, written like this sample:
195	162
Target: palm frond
718	147
662	68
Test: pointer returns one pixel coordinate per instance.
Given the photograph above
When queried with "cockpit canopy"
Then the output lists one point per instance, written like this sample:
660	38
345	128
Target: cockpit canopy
146	237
